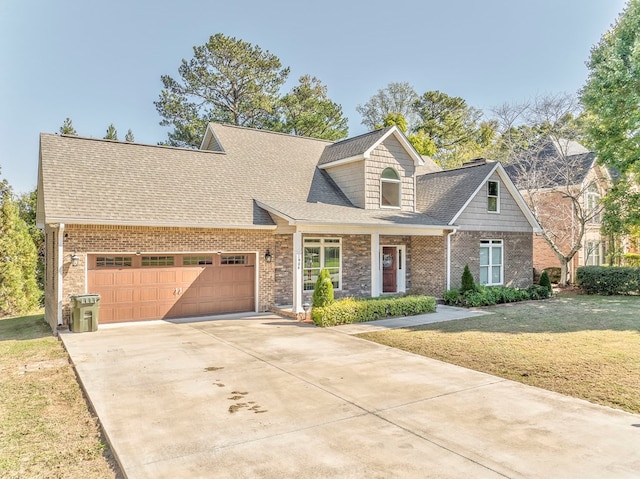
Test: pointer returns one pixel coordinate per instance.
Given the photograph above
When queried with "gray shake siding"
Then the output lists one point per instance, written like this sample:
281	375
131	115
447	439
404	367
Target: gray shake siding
390	154
350	179
509	218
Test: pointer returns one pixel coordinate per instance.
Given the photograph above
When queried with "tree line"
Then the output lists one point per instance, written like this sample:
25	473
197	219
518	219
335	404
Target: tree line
232	81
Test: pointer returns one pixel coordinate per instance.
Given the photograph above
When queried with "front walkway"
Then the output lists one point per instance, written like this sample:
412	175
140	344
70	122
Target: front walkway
443	313
265	397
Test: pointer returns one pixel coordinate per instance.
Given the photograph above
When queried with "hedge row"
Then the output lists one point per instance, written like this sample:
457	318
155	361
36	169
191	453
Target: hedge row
490	295
608	280
351	310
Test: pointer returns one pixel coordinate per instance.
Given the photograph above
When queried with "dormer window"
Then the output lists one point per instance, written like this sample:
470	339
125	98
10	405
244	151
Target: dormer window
390	188
493	196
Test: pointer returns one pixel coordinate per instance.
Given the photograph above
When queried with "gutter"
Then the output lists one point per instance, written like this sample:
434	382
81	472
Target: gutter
60	271
455	230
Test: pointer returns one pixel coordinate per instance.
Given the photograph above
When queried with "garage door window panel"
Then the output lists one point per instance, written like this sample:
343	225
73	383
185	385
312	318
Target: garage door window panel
158	261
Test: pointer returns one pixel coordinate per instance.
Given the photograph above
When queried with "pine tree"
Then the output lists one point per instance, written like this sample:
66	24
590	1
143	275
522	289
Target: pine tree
67	128
129	136
112	133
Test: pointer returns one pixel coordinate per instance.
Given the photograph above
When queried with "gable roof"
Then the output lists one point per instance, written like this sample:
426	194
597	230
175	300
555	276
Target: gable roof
93	181
556	162
445	194
360	147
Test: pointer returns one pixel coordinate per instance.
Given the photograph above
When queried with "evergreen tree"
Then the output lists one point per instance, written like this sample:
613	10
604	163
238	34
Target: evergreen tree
27	204
112	133
129	136
308	111
323	290
227	80
545	281
611	95
19	292
67	128
468	283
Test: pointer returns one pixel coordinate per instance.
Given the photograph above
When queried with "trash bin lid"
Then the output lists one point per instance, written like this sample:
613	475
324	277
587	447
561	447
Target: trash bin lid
86	298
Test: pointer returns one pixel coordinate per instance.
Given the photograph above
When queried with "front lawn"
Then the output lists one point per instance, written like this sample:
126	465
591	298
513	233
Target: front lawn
583	346
46	429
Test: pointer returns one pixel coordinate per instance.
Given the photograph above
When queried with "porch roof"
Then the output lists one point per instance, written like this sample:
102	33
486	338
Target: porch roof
301	213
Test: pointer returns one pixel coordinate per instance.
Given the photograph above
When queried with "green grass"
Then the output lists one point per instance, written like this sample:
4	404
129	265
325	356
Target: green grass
46	428
583	346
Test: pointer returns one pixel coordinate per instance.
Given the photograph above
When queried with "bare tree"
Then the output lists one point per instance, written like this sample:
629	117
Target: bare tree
556	175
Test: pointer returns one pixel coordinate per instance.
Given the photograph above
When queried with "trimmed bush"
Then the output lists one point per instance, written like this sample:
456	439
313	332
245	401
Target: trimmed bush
467	281
490	295
608	280
545	281
323	290
350	310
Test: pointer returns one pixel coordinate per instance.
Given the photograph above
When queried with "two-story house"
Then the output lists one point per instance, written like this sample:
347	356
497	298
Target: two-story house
247	222
563	185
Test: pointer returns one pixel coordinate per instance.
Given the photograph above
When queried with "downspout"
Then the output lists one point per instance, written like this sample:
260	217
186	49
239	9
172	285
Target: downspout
60	270
454	231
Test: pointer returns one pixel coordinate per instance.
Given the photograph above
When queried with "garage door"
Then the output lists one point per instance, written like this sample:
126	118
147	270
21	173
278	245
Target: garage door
139	288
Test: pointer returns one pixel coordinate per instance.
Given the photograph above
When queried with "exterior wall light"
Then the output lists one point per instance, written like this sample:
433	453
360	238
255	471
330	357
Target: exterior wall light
267	257
75	259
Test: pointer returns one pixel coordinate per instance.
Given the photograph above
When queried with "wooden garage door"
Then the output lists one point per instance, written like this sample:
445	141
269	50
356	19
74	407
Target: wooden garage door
139	288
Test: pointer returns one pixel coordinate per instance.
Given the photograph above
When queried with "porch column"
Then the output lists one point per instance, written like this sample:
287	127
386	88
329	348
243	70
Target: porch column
297	273
375	265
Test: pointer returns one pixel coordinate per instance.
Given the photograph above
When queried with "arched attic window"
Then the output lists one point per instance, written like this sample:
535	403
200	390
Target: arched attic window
390	187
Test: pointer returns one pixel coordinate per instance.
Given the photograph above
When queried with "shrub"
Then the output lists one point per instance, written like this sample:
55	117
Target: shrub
554	273
468	283
538	291
490	295
631	259
350	310
545	281
323	290
608	280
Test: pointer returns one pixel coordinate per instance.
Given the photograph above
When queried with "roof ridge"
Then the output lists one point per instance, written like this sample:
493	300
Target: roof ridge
264	130
132	143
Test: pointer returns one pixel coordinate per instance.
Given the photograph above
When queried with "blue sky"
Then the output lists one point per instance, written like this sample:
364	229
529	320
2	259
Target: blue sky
101	62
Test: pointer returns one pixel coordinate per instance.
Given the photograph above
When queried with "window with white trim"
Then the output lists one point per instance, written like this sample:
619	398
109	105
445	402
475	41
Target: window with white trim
319	253
390	186
592	253
491	262
493	196
593	204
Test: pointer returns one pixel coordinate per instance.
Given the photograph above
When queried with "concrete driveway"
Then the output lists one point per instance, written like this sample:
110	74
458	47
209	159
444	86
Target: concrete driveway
267	397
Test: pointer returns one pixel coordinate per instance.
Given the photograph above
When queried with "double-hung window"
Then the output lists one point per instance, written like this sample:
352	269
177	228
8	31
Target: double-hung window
493	196
491	259
322	253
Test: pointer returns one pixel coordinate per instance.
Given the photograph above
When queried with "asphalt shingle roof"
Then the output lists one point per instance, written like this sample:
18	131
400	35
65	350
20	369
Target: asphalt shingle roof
554	164
351	146
102	181
325	213
442	194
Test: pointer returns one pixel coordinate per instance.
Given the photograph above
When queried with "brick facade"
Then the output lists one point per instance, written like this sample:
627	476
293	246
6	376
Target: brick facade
517	256
428	265
87	239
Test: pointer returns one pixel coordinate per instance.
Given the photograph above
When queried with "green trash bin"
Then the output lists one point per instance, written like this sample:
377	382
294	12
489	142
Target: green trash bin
84	312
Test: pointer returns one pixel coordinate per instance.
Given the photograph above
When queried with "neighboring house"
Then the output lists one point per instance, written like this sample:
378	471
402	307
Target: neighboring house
551	178
247	222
